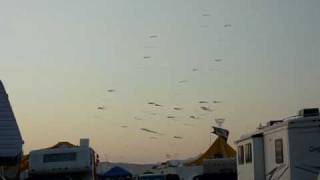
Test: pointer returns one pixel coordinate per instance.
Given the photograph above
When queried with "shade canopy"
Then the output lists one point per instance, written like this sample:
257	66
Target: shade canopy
116	172
219	149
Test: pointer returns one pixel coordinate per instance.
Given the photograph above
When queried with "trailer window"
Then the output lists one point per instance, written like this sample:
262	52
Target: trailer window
240	155
248	152
279	150
48	158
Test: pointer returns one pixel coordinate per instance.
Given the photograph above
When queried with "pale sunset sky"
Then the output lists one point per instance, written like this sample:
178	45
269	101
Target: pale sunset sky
59	58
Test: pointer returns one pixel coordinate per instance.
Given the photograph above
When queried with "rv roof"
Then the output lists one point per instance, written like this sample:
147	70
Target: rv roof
289	122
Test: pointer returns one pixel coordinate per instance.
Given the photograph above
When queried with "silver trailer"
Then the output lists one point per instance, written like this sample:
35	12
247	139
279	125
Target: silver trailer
78	162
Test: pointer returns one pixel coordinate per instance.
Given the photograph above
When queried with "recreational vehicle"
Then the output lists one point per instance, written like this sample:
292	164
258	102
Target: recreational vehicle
77	162
286	149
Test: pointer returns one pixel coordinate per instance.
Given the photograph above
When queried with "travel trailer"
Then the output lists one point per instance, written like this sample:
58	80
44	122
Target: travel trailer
76	162
10	139
286	149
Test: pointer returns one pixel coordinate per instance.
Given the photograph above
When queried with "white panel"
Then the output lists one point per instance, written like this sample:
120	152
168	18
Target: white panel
305	152
245	170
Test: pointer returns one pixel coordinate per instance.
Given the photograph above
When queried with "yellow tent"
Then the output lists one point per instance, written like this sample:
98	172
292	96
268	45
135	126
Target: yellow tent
219	149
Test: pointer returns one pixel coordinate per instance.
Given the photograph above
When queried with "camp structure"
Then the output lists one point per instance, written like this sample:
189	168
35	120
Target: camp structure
10	138
24	164
219	161
63	160
116	173
219	149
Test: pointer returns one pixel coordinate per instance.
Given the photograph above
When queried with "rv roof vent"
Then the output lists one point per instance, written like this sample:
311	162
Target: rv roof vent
309	112
84	142
271	123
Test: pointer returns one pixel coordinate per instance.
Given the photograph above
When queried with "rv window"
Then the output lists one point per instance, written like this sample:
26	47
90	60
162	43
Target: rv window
47	158
279	151
248	153
240	155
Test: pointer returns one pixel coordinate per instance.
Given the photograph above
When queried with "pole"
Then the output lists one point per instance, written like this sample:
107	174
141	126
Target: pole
210	139
2	173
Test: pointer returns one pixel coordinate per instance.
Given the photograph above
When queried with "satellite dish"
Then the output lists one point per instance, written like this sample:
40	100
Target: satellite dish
219	121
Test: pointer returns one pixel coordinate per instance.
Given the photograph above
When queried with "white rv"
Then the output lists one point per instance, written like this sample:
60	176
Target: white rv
287	149
63	163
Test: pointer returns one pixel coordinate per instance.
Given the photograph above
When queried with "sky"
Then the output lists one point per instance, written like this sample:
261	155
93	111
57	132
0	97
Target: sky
58	59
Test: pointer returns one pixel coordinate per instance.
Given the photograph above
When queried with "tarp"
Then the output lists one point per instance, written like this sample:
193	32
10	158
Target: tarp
219	149
116	172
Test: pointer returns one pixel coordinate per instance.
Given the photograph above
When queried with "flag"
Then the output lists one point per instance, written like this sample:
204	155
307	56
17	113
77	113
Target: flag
221	132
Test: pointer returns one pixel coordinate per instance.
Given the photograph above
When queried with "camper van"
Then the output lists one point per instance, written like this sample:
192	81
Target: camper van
286	149
63	163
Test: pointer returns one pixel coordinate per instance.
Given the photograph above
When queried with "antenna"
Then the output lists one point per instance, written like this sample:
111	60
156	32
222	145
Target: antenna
105	157
220	121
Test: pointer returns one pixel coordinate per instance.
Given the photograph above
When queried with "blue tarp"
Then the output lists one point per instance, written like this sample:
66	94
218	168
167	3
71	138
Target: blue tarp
116	172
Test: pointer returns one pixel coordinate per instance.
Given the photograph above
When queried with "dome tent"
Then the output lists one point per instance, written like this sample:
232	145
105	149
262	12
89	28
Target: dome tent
116	172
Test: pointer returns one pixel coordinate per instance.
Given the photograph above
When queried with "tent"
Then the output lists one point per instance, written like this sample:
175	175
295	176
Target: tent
219	149
117	172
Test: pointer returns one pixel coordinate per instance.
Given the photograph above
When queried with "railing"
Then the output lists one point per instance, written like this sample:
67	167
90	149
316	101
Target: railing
2	173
